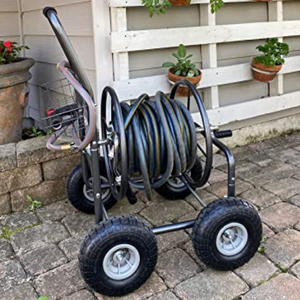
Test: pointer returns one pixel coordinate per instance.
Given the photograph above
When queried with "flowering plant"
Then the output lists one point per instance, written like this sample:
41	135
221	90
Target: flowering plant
9	52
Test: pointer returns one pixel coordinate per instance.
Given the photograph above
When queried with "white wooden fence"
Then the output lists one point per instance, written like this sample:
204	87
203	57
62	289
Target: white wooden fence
119	42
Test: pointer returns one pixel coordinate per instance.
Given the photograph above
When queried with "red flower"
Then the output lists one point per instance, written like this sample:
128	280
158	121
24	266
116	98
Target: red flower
8	45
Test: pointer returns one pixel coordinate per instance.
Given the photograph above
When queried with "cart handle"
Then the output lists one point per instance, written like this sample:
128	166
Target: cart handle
64	67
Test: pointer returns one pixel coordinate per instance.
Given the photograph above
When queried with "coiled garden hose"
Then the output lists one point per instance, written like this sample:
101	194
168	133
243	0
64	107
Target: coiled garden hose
153	141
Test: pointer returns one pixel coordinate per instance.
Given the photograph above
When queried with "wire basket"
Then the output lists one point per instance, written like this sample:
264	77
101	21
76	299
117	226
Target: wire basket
62	108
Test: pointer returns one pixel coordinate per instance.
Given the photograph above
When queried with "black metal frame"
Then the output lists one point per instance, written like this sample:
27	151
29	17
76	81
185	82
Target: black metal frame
90	157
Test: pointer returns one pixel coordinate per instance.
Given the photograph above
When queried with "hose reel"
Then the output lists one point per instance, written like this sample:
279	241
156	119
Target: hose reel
152	141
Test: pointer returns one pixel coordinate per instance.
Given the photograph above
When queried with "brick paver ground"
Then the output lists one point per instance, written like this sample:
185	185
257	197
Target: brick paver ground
42	259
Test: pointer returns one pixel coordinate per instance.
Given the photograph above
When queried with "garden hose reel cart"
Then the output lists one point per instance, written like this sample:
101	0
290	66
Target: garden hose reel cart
150	144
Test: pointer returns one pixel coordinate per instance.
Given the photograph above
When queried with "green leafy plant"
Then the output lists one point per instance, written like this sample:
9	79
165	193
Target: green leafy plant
215	5
7	233
33	203
156	6
273	52
10	52
36	132
43	298
160	6
184	66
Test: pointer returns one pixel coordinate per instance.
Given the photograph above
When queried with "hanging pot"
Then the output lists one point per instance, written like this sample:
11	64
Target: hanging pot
180	2
264	73
183	91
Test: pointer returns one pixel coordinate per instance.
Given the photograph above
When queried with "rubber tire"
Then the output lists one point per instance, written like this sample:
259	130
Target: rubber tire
169	192
74	191
106	235
210	221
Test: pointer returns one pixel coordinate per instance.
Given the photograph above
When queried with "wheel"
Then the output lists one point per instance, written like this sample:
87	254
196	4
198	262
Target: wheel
175	189
81	196
118	256
227	233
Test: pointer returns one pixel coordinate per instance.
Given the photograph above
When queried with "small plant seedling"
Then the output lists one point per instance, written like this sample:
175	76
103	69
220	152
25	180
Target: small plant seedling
43	298
33	203
273	52
35	132
184	66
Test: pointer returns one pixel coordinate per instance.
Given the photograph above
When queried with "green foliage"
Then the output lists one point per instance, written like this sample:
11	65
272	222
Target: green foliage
7	233
156	6
33	203
184	66
262	247
43	298
35	132
273	52
9	52
216	5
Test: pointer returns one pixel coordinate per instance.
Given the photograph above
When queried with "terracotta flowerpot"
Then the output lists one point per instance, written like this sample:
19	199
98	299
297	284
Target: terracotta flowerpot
183	91
264	73
180	2
13	98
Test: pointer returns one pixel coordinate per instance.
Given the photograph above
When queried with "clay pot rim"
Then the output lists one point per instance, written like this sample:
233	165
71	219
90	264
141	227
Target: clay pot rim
195	78
21	65
261	66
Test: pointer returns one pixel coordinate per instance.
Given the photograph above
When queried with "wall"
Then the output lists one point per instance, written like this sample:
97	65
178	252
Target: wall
76	16
29	169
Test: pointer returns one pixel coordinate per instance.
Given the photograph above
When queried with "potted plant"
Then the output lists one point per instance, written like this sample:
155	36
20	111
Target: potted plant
14	75
160	6
182	69
266	66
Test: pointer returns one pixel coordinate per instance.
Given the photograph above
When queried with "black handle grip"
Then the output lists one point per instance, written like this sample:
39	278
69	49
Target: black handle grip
223	134
47	9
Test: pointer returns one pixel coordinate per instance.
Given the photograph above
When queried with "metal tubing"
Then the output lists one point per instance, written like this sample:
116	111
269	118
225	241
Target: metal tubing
68	49
231	166
96	182
173	227
192	191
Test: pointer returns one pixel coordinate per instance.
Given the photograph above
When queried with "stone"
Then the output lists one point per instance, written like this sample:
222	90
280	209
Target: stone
280	216
34	151
163	296
11	273
59	168
5	205
242	153
296	270
8	158
43	259
55	211
297	226
295	200
152	286
20	292
20	178
38	236
219	160
165	212
210	285
123	207
78	224
204	195
171	240
189	249
81	295
284	188
141	195
267	232
257	270
281	287
280	170
216	176
47	192
283	248
6	251
60	282
220	188
288	156
71	246
260	198
20	220
262	160
176	266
